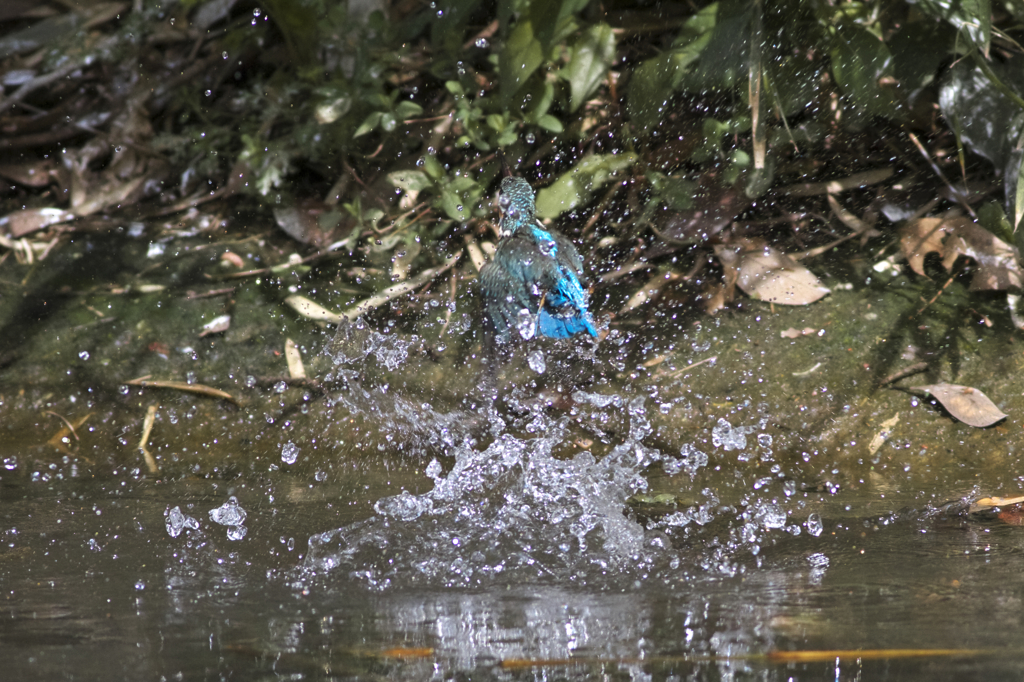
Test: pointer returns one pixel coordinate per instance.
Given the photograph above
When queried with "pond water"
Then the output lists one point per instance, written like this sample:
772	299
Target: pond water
522	551
702	498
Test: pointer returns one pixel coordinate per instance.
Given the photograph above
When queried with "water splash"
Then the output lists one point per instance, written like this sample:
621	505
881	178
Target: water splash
512	509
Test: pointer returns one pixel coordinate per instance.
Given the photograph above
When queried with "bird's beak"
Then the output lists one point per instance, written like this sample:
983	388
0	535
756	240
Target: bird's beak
506	172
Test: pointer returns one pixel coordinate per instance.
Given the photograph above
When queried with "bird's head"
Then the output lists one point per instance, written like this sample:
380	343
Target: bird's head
515	199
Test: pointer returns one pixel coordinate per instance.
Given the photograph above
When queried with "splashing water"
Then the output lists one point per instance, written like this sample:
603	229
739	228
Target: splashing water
512	511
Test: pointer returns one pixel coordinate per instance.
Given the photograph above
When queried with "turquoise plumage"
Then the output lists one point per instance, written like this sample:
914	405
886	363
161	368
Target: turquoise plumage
532	284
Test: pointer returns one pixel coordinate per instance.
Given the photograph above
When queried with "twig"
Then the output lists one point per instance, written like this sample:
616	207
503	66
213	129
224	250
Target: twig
147	428
200	389
905	372
66	423
55	75
679	371
957	194
937	293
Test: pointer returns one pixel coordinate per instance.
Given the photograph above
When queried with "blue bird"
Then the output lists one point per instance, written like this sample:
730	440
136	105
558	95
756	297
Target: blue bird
532	284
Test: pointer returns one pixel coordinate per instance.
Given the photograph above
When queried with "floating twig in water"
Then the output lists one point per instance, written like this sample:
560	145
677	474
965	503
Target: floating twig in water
147	428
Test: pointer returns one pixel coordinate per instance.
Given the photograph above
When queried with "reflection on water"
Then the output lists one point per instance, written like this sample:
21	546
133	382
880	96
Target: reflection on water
513	549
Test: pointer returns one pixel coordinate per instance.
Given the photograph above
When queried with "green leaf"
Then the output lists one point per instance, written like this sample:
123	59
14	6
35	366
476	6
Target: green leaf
407	109
575	187
553	19
859	61
388	122
973	18
433	167
655	80
521	56
452	204
410	180
550	124
455	87
675	192
541	94
592	56
650	88
496	122
369	123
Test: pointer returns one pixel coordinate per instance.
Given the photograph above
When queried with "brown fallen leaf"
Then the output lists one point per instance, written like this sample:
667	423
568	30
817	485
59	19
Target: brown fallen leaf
33	174
793	333
769	275
953	235
990	502
967	404
294	359
883	433
219	324
20	223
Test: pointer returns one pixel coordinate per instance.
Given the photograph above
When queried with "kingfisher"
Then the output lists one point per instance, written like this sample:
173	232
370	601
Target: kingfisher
532	284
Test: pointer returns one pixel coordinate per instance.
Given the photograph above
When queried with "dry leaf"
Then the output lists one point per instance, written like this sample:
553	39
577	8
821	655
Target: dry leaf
883	433
967	404
769	275
219	324
233	259
20	223
294	359
990	502
920	237
793	333
310	310
34	174
954	235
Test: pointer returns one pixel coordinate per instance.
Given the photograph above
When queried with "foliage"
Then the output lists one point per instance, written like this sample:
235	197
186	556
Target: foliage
656	114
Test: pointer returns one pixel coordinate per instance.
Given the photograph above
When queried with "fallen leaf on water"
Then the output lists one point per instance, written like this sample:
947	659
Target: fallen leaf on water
793	333
310	310
883	433
219	324
294	359
967	404
990	502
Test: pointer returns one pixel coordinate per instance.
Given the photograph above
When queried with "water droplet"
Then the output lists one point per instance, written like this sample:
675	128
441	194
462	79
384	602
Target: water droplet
814	525
537	362
84	355
526	324
229	513
289	453
482	43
